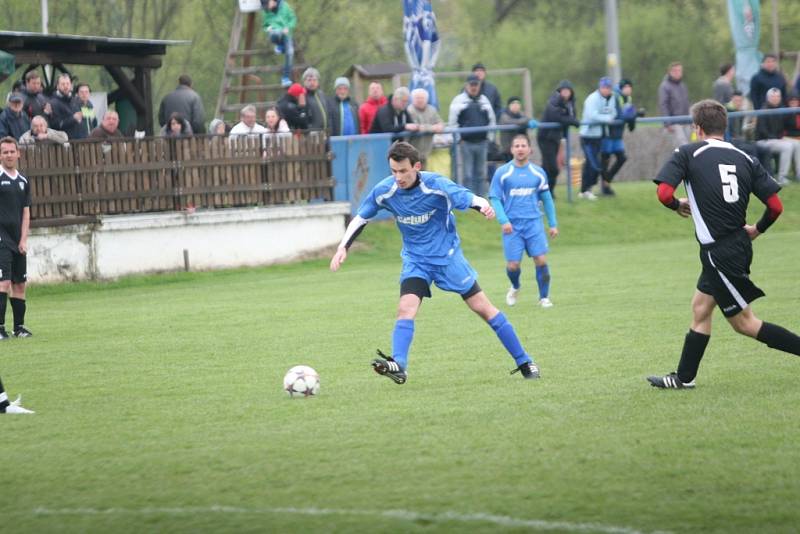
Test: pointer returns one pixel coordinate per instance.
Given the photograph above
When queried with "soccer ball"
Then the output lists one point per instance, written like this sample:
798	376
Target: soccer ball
301	381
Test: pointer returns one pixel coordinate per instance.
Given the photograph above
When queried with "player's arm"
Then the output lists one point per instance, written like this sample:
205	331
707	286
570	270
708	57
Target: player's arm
666	195
670	175
482	205
355	227
549	211
25	227
771	214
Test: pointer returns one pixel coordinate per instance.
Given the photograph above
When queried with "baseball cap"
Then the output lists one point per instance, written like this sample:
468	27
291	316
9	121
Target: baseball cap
473	79
512	99
15	97
605	81
624	81
296	90
478	66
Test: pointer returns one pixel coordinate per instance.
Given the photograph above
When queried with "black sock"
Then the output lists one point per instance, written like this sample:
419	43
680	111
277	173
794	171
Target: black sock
777	337
693	348
3	398
18	309
3	299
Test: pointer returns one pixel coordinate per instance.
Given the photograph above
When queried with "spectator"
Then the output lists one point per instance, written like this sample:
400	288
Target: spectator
723	86
41	134
217	127
488	89
393	117
427	122
769	134
344	112
35	101
375	101
279	22
740	130
317	103
469	109
673	101
109	127
292	107
598	111
83	99
612	143
560	108
247	126
793	122
176	126
187	102
274	123
13	120
512	115
767	77
66	115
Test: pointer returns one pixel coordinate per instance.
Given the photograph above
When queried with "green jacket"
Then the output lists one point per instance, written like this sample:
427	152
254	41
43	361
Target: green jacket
283	18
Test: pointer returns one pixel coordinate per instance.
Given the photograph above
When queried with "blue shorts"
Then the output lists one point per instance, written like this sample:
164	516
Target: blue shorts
458	276
528	236
611	146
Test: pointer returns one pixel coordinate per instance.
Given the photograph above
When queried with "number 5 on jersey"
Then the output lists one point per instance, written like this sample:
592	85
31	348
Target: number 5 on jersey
730	184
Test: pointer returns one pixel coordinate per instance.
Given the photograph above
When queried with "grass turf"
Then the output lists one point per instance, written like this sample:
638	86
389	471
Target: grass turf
160	406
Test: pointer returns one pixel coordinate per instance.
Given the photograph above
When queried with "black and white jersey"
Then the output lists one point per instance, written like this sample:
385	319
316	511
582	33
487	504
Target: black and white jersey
719	179
15	195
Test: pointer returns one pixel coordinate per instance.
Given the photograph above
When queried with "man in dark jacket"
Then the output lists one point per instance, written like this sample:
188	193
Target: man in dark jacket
66	115
344	112
769	134
292	107
765	79
560	108
467	110
35	101
393	117
673	100
13	120
83	95
488	89
187	102
512	115
319	113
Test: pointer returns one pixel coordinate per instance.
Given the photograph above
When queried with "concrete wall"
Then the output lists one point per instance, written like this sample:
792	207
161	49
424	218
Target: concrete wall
130	244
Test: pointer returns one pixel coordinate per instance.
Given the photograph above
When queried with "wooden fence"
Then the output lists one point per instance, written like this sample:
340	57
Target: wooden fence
82	179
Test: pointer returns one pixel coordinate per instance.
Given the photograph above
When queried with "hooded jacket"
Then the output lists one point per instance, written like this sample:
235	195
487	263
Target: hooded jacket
558	110
282	17
367	112
295	115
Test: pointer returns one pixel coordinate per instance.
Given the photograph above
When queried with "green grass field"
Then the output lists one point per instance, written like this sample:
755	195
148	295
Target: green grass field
160	409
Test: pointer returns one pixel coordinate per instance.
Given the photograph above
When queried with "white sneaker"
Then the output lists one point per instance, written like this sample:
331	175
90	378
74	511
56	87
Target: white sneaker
545	303
15	407
587	195
511	296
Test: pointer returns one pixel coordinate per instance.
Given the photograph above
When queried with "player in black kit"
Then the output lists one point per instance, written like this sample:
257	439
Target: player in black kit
719	179
15	218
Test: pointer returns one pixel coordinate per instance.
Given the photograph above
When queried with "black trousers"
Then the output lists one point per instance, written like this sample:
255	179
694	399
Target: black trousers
549	149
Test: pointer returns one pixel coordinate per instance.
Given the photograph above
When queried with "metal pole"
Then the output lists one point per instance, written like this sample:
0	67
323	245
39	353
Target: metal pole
613	58
45	17
776	39
568	165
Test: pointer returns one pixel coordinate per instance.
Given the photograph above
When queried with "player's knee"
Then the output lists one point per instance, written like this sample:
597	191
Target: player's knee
512	266
745	325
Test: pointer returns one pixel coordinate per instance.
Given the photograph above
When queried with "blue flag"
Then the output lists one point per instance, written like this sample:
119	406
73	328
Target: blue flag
422	45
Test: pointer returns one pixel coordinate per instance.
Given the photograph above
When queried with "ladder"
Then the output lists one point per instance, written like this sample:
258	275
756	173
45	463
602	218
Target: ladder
248	79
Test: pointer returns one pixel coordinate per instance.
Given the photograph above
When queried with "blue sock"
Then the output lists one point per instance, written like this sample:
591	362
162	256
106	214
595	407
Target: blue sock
401	340
509	338
543	279
514	277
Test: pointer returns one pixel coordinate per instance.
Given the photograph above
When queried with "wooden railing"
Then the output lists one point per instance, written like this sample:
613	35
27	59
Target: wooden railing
82	179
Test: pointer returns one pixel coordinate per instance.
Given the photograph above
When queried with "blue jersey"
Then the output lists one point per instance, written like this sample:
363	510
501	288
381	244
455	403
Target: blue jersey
423	215
518	189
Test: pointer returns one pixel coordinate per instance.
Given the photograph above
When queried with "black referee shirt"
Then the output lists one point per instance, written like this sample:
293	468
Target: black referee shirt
719	179
15	195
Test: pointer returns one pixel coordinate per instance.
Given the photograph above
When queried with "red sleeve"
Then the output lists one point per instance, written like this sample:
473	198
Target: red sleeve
666	195
774	206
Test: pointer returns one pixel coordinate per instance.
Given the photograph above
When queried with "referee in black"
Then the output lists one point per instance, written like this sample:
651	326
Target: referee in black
15	219
719	179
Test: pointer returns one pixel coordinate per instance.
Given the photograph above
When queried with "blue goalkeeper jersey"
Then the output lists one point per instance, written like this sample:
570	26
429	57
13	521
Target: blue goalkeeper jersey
423	215
518	188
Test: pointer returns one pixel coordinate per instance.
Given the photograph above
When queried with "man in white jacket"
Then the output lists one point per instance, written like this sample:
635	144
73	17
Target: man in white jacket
598	111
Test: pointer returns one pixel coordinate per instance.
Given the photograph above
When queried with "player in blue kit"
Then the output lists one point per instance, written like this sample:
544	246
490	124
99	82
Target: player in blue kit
421	203
517	187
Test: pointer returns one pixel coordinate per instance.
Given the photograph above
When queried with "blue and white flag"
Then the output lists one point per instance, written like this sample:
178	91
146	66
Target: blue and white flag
422	45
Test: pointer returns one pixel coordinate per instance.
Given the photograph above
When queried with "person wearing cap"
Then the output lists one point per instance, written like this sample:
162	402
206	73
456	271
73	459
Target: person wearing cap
512	115
472	109
319	114
770	135
278	20
673	101
560	108
13	120
393	117
344	112
488	89
292	107
612	143
598	111
427	120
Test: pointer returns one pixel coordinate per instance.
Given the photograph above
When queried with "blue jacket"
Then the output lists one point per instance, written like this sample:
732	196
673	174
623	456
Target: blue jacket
14	124
625	112
596	109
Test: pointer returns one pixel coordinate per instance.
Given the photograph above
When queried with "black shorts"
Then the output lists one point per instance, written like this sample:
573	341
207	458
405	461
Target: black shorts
726	273
13	266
